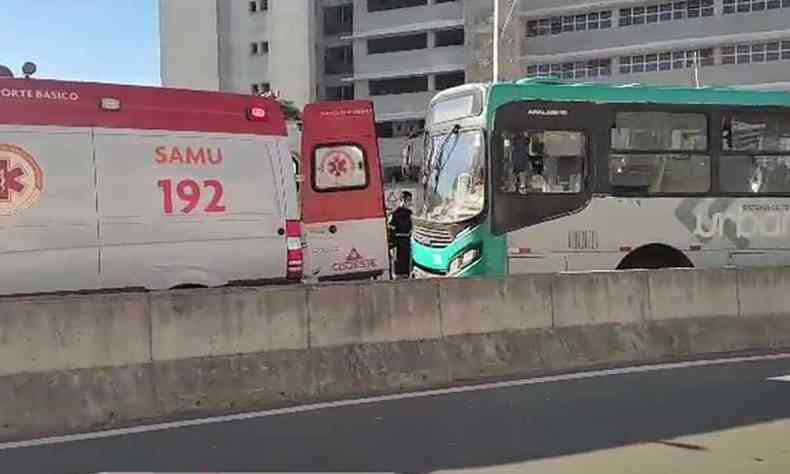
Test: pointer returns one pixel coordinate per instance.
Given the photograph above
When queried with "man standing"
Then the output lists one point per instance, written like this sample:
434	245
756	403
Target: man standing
400	225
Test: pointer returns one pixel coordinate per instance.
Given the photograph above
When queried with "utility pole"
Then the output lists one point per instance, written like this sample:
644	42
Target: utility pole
697	81
498	32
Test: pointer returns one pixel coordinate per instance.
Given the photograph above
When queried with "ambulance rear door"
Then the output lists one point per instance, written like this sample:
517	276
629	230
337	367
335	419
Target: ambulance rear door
342	193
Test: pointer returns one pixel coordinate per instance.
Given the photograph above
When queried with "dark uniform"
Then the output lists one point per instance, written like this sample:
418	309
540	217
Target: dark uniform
520	153
400	223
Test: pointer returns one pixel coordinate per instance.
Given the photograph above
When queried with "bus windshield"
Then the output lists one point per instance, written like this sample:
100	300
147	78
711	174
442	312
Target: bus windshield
454	177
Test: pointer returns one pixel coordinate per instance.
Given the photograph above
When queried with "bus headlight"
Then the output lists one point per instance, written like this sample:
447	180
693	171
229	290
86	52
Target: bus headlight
464	260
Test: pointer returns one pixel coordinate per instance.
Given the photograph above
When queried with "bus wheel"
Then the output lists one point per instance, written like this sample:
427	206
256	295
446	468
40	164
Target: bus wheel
655	256
189	286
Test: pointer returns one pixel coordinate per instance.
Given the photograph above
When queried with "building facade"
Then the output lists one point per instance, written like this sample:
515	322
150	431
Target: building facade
733	42
399	53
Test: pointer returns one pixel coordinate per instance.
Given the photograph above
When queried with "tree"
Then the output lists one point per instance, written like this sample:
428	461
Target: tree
290	110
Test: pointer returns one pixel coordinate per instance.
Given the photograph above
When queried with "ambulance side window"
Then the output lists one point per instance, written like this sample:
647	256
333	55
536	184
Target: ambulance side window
339	167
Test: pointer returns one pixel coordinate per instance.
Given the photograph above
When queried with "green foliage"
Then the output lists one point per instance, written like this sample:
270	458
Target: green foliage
290	110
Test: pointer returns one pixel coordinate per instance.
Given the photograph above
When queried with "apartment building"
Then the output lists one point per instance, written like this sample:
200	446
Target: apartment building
396	52
734	42
399	53
240	46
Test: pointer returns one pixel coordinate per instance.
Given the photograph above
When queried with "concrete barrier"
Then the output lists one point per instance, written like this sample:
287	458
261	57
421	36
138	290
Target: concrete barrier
692	294
201	323
99	361
396	311
485	306
47	333
764	292
600	297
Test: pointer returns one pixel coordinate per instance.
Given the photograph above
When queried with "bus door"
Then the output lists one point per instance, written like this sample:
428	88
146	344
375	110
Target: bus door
342	193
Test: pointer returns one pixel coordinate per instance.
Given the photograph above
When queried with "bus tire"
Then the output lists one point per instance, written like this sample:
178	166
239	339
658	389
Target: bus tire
189	286
655	256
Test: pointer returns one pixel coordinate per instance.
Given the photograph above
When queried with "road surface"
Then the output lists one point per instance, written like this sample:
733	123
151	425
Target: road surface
703	417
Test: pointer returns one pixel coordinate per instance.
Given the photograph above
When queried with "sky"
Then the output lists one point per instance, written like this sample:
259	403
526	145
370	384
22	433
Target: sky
87	40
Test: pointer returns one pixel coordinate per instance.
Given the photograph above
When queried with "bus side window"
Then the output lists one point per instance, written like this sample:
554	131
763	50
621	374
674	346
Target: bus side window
548	162
756	154
656	152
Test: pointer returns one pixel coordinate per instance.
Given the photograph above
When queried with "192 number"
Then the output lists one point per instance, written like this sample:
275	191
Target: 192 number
189	192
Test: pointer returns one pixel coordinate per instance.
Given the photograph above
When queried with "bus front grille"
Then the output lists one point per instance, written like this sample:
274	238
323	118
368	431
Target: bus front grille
432	237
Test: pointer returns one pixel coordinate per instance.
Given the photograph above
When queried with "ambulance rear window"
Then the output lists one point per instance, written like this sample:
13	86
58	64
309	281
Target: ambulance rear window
340	167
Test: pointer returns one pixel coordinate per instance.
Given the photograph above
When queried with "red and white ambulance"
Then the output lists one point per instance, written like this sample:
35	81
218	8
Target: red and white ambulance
342	193
107	186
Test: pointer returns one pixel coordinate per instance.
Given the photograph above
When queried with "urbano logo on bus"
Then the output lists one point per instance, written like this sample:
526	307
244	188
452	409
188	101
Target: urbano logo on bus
709	219
21	179
745	224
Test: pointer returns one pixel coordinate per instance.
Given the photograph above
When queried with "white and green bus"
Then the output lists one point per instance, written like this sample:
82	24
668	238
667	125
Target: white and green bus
541	175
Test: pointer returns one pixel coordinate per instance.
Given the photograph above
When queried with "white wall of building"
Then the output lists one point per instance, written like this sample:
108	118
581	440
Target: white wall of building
292	61
206	44
189	44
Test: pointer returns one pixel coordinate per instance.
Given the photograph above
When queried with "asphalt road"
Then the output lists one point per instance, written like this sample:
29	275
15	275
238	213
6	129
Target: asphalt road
721	418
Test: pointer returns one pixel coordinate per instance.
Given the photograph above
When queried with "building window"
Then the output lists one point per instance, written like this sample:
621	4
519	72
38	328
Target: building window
732	7
339	20
756	52
259	47
454	37
259	6
666	60
398	128
383	5
392	44
340	93
339	60
405	85
572	70
565	24
668	11
261	88
450	79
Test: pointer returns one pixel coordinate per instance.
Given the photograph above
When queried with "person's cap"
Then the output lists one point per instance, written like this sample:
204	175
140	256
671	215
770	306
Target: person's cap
405	195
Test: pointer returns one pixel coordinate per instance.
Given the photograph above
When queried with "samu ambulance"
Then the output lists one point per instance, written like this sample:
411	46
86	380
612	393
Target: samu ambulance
107	186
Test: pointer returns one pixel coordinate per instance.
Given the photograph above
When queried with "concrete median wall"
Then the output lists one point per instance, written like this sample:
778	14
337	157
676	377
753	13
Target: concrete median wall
72	363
